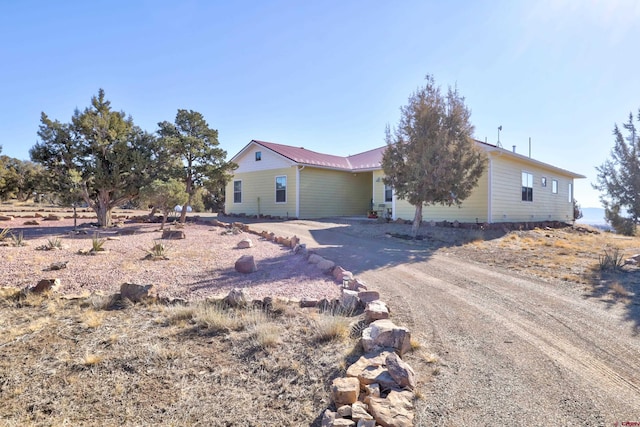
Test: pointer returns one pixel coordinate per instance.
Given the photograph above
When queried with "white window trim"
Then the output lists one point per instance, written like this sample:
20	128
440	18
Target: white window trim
556	186
258	156
384	193
234	191
533	178
275	189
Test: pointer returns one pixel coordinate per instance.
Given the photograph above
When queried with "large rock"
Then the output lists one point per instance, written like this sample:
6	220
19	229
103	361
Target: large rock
53	217
173	234
295	241
385	334
244	244
366	423
138	293
394	411
345	391
235	298
376	310
328	418
360	411
246	264
47	285
6	218
349	299
371	369
315	258
326	265
367	296
400	371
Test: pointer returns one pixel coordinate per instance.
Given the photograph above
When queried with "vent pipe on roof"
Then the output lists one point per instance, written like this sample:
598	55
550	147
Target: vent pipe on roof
514	148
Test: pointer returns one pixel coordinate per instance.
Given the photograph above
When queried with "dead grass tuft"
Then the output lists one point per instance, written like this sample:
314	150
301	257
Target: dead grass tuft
331	326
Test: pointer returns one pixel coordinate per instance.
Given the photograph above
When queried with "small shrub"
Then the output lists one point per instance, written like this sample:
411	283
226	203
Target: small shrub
4	233
97	243
330	325
618	290
216	318
157	252
265	334
52	244
611	260
91	359
18	239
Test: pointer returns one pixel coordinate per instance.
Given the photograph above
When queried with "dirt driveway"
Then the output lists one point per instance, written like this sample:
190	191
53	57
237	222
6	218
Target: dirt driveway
512	350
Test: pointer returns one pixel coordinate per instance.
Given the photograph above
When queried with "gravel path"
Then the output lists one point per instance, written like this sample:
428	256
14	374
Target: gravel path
513	350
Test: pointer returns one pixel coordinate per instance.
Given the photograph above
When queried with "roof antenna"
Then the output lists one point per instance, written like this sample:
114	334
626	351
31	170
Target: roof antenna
499	129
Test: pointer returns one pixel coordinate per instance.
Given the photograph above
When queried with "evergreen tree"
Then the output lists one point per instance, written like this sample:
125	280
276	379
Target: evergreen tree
431	157
192	140
112	157
619	179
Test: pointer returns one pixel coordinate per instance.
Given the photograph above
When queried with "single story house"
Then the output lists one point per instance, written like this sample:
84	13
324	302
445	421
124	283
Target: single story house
294	182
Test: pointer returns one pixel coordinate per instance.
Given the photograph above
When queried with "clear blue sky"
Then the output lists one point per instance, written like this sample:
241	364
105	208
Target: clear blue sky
329	75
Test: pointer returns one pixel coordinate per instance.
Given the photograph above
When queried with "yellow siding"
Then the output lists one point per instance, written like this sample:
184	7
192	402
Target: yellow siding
259	193
326	193
473	209
507	204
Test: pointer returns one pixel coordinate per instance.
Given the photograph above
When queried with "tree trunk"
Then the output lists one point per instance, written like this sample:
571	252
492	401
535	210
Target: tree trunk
183	214
103	209
417	220
165	214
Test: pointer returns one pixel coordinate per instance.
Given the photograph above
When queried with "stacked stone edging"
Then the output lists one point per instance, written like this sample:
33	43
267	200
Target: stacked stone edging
378	388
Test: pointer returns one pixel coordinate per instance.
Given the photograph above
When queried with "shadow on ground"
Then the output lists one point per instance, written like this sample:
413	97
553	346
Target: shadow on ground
619	287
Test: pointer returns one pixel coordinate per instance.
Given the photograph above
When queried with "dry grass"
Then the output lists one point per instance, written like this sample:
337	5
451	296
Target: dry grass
593	259
66	362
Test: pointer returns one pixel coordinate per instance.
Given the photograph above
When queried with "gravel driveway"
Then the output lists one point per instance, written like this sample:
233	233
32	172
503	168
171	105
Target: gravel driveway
512	350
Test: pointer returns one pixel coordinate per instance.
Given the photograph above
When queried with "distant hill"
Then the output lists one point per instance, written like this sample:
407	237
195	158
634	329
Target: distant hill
592	216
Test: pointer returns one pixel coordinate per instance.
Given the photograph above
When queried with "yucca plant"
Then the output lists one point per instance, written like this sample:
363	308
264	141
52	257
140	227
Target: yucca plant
4	233
97	243
158	251
18	239
55	243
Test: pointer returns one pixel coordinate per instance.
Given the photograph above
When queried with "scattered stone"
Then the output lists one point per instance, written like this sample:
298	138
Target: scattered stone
138	293
376	310
328	418
115	238
372	390
366	423
368	296
37	215
325	265
295	241
246	264
315	259
384	333
173	234
58	265
244	244
6	218
345	411
308	302
370	369
343	422
286	242
31	222
400	371
349	299
360	411
345	391
356	285
53	217
235	298
47	285
394	411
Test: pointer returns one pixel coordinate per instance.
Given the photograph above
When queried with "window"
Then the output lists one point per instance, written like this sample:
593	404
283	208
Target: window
554	186
543	181
388	193
258	156
281	189
570	193
527	187
237	191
